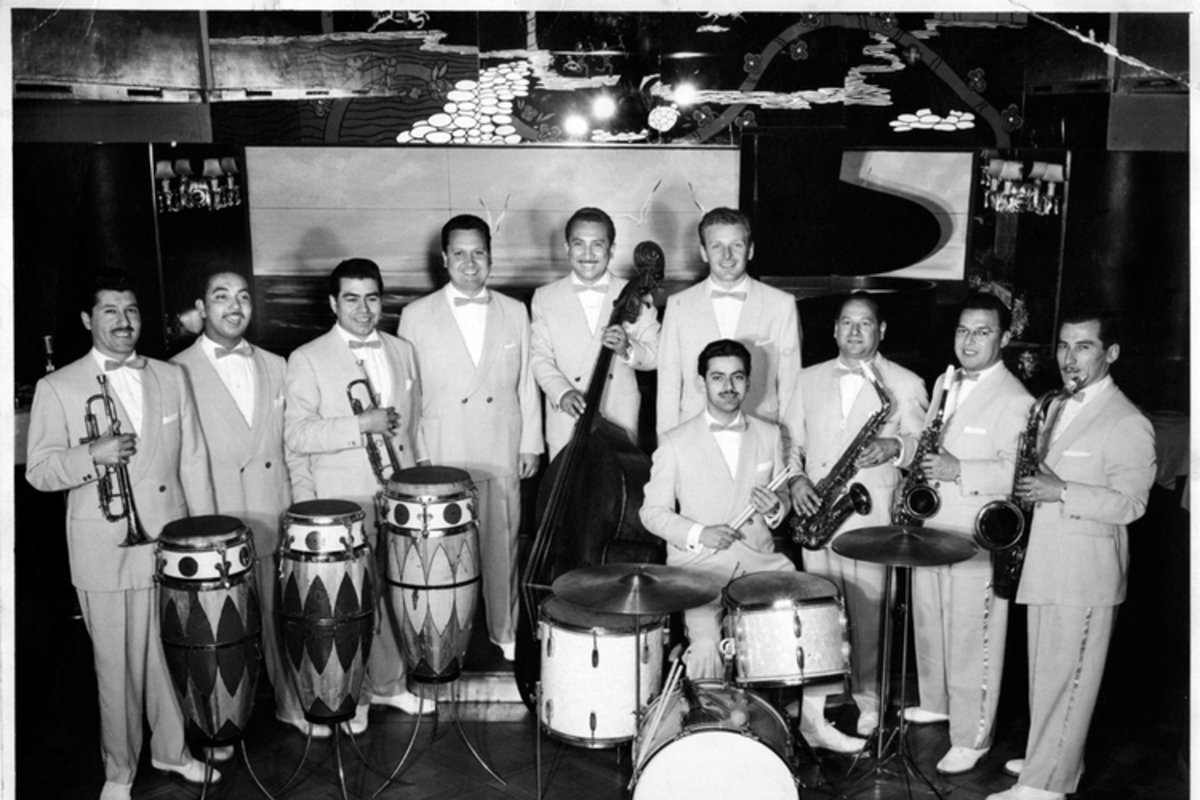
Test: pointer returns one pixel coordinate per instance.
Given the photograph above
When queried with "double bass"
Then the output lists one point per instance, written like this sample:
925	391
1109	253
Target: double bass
587	507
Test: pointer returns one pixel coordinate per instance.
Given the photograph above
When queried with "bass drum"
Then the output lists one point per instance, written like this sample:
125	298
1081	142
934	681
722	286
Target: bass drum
741	751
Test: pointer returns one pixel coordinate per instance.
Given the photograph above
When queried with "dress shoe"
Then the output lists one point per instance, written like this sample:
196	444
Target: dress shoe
358	724
192	771
308	728
919	716
115	791
1014	766
959	760
868	721
1020	792
407	702
219	755
509	649
826	736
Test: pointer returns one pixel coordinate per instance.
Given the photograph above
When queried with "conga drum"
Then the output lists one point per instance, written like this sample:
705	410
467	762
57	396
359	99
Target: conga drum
432	570
211	623
326	605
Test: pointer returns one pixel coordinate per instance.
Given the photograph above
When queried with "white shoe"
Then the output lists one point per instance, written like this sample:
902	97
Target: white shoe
919	716
219	755
1020	792
407	702
830	738
116	791
308	728
959	760
868	721
192	771
1014	766
358	724
509	649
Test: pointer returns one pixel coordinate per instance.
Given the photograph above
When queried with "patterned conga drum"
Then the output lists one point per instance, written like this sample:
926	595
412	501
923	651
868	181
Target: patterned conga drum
211	623
432	566
326	605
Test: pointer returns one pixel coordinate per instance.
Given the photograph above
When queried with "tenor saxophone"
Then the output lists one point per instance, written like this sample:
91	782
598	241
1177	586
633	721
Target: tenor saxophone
1002	526
838	497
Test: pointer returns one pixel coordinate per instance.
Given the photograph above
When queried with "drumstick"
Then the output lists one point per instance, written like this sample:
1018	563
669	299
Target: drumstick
776	482
672	677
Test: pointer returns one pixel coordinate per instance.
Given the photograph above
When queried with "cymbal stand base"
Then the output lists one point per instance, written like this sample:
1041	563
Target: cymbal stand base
463	734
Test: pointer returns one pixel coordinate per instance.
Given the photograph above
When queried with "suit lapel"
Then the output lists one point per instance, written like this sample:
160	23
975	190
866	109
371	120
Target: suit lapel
262	405
1080	424
493	339
152	424
702	312
752	310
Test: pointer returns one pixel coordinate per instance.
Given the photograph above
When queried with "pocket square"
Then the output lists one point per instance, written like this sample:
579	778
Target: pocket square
509	345
407	384
169	419
765	465
763	342
973	429
1076	454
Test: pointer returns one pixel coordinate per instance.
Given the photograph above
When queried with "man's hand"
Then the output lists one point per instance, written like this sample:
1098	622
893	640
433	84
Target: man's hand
877	452
616	339
110	450
804	496
719	537
941	465
766	502
573	403
383	421
1044	487
527	465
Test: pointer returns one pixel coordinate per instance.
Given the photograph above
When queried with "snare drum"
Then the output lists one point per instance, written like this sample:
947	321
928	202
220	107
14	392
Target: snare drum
588	679
788	628
738	749
326	605
210	622
433	569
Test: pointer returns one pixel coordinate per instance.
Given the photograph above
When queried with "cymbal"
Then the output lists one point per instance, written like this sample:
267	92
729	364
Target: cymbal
904	546
635	588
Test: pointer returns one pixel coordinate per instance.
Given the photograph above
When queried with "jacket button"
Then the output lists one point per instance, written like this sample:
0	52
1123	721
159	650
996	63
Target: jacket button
162	489
242	471
489	399
268	465
578	379
464	401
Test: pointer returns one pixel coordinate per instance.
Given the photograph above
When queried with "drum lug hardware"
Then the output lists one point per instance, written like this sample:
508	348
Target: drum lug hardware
223	568
797	624
549	715
345	542
416	596
595	654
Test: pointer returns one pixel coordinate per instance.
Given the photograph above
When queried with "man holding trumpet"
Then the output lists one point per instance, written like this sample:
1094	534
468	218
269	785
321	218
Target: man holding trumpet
119	433
324	379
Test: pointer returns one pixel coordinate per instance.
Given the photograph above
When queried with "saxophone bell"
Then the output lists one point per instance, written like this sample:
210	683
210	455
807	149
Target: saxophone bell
999	526
921	501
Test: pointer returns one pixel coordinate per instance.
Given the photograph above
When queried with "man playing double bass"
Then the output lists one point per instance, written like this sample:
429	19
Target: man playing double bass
161	450
570	325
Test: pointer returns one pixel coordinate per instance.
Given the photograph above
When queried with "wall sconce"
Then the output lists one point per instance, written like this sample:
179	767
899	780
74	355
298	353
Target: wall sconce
178	187
1010	190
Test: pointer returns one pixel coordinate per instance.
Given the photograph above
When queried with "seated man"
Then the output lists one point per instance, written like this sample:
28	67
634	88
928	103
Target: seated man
712	466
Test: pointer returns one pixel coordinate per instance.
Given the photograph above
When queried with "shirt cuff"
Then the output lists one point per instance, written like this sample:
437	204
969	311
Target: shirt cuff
775	517
693	539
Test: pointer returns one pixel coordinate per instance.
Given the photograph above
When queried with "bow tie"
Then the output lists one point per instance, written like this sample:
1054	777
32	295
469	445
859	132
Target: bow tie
356	344
240	350
717	294
737	426
966	375
580	288
842	371
1078	396
132	363
480	299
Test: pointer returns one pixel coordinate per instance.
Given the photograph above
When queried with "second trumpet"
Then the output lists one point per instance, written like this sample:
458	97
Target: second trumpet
377	443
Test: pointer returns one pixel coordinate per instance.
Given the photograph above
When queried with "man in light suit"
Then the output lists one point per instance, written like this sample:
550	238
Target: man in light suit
730	305
1094	481
960	624
480	409
709	468
321	427
239	394
162	450
838	402
570	319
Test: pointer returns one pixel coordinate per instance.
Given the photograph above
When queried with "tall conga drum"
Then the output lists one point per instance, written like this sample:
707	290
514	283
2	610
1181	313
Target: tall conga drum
211	622
429	516
326	605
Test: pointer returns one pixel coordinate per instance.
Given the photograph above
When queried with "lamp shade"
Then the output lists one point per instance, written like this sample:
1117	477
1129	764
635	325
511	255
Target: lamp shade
229	165
163	171
183	168
212	168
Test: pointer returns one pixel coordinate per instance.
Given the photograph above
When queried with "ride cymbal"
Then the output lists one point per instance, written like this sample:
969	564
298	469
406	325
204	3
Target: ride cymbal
635	588
904	546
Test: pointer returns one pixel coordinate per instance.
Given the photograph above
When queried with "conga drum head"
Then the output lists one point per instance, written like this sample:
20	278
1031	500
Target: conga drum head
323	528
323	512
766	589
201	532
423	481
204	548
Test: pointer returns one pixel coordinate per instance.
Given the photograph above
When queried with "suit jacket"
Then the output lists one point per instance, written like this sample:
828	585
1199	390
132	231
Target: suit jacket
320	427
768	326
1078	552
689	474
982	433
824	436
169	474
250	466
564	353
475	418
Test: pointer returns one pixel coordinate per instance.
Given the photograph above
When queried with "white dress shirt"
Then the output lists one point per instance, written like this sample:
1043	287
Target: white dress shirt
961	389
236	372
471	319
728	310
375	362
591	298
1074	405
126	384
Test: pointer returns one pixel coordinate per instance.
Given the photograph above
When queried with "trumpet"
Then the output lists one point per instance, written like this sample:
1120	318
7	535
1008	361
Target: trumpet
377	444
122	495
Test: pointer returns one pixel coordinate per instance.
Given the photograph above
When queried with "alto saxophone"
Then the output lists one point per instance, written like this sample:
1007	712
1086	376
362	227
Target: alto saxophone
916	500
839	497
1002	526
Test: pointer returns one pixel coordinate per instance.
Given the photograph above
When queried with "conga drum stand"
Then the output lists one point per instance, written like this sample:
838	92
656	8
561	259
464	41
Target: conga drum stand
897	547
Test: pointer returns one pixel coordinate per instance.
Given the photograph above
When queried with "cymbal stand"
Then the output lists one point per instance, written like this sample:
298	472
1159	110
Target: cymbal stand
888	742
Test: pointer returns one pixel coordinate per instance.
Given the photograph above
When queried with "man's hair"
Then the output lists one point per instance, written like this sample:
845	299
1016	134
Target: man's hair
723	348
590	214
466	222
866	299
1110	324
105	279
205	280
985	301
354	269
725	216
